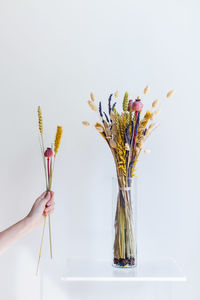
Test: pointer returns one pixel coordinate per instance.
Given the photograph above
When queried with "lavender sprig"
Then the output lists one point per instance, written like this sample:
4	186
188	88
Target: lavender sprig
107	119
109	103
127	133
100	110
114	106
132	131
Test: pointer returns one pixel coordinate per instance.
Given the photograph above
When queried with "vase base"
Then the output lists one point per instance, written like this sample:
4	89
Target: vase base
124	262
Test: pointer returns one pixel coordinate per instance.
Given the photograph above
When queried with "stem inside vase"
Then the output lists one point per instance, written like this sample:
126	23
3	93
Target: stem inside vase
124	236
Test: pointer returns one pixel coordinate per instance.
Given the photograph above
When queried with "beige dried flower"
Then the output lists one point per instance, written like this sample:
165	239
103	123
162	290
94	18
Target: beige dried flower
116	94
112	116
105	125
170	94
92	105
85	123
147	151
127	148
153	115
152	126
114	129
155	103
141	145
113	144
99	128
157	112
92	97
146	90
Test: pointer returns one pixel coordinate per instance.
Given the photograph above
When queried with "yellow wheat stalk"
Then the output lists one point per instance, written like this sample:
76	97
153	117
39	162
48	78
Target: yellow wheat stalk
57	139
40	120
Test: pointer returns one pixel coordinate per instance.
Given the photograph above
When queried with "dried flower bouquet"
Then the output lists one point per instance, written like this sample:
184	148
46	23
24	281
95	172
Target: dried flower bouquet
48	157
125	134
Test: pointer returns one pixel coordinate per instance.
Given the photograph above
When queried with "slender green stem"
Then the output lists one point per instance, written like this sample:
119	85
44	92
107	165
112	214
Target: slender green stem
40	253
45	169
50	237
50	175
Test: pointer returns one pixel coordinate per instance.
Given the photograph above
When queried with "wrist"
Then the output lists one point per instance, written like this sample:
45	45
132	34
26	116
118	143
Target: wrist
30	223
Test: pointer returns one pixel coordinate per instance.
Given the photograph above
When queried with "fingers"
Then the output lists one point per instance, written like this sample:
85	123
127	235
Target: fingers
50	203
49	210
41	196
47	197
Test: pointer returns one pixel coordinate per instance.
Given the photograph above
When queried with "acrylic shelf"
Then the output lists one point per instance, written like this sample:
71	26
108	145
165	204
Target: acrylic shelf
158	270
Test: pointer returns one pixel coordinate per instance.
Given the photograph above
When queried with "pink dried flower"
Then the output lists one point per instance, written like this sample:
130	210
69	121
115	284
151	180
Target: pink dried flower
48	153
130	104
137	105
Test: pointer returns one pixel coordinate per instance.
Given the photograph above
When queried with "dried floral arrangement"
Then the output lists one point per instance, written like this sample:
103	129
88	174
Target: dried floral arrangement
125	133
49	157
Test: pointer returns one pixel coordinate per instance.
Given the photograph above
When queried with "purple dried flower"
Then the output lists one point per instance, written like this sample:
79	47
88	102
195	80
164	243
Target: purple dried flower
100	109
106	117
132	131
114	106
109	103
127	133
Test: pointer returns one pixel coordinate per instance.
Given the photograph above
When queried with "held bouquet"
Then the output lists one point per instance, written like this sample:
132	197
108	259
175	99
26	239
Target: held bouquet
49	157
125	133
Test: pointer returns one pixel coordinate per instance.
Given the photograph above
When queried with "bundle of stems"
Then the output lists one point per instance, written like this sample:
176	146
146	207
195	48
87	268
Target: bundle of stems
125	133
48	157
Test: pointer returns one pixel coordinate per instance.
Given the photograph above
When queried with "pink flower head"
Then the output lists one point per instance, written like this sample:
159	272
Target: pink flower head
137	105
48	153
130	104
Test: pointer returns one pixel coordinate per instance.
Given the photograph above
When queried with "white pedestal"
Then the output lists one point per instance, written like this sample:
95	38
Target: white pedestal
85	269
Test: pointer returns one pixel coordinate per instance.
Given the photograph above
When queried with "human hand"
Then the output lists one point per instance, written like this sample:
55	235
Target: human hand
43	206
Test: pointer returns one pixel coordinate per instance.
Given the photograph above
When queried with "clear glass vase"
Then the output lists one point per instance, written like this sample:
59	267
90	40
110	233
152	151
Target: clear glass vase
124	217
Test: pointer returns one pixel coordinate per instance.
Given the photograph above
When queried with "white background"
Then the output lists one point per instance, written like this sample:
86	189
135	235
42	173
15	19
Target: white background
53	53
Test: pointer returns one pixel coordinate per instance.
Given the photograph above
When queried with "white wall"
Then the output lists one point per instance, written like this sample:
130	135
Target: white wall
53	53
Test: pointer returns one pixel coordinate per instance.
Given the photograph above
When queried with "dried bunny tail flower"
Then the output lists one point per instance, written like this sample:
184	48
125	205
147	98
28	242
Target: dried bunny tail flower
85	123
146	90
40	120
57	139
152	126
155	114
125	102
92	105
147	151
92	97
170	94
155	103
116	94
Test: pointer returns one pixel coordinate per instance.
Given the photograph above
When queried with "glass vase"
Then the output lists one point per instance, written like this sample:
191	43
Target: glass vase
124	200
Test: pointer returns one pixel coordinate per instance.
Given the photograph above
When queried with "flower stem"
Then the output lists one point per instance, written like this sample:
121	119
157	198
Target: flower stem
49	168
40	253
50	238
